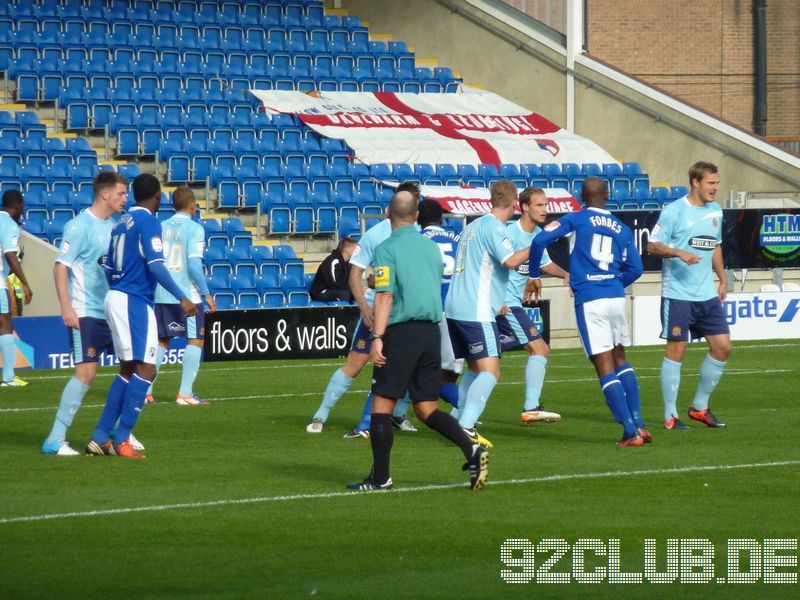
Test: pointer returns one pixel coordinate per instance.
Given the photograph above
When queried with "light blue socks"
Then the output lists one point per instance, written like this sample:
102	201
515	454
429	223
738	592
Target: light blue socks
71	399
534	380
8	351
337	386
670	384
477	396
710	373
191	364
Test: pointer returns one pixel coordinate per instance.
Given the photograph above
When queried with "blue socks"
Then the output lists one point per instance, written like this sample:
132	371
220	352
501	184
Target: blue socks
8	350
112	409
366	416
670	384
337	386
131	407
627	377
449	393
160	352
191	364
478	394
534	380
615	398
710	373
71	399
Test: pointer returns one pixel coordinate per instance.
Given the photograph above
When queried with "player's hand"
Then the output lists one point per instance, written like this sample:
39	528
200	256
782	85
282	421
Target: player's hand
27	293
367	315
533	290
70	318
722	291
376	353
566	283
189	309
212	304
504	310
688	257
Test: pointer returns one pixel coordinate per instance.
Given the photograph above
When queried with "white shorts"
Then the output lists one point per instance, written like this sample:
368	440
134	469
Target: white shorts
449	360
602	325
133	327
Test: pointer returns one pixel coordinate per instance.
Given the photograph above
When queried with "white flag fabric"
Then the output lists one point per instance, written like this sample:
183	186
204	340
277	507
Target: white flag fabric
471	127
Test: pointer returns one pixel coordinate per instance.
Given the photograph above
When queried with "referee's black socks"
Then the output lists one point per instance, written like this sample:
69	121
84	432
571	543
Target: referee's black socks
381	434
447	426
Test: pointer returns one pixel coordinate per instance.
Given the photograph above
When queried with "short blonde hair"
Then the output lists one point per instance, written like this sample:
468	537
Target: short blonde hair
503	193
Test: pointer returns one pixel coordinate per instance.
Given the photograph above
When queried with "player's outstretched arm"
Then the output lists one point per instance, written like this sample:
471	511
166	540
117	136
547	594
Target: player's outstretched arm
661	250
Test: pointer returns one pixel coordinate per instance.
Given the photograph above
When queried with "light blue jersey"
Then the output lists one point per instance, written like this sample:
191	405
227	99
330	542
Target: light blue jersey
183	239
83	250
695	229
478	286
364	254
518	278
9	242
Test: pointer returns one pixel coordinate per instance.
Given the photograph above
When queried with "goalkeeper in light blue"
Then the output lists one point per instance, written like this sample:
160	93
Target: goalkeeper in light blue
184	242
688	239
81	287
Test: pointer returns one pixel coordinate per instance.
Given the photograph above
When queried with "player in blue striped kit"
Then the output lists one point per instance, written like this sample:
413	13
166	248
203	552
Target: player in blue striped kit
134	264
604	261
688	239
81	286
184	241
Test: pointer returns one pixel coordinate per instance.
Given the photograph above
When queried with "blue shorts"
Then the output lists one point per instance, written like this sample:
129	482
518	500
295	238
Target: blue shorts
91	340
361	339
473	340
516	328
171	322
680	318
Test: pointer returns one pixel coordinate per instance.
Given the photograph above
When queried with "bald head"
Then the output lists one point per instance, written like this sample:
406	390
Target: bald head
594	192
403	209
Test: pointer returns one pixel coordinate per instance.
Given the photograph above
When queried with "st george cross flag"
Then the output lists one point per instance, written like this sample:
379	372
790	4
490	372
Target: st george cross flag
470	127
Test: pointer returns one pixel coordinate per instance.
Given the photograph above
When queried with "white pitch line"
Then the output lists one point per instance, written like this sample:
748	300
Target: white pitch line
306	394
632	350
419	488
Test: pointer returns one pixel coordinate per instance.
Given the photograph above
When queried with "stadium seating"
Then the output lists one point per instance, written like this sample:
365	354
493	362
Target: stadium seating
170	80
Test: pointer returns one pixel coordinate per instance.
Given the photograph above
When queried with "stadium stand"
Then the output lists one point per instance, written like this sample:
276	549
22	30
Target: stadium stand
168	81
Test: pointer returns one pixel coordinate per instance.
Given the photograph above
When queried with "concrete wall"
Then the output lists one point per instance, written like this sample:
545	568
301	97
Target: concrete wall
38	266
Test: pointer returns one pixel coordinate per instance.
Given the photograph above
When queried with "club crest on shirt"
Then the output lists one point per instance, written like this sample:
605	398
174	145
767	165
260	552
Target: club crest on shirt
715	222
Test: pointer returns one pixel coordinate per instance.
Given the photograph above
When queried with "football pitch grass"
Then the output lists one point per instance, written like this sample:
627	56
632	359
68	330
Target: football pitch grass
235	499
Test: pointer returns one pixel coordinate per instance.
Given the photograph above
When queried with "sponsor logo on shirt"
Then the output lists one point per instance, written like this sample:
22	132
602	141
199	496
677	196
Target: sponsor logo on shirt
64	248
703	242
157	245
507	244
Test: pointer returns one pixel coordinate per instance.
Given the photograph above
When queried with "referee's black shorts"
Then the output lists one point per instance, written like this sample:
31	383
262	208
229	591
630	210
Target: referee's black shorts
413	362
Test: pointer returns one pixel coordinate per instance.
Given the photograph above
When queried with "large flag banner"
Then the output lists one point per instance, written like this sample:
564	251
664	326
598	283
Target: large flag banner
466	200
471	127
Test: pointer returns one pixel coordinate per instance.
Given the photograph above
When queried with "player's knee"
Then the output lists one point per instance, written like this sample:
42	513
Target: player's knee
354	364
722	351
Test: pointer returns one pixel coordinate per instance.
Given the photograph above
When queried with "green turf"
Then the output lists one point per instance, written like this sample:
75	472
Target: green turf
297	535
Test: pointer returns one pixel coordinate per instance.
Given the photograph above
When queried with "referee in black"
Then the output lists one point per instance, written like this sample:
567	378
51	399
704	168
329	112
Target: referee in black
405	344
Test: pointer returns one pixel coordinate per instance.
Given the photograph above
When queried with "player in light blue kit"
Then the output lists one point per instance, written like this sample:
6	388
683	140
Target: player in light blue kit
516	327
604	261
81	287
688	237
13	207
134	264
184	241
362	258
477	291
430	220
